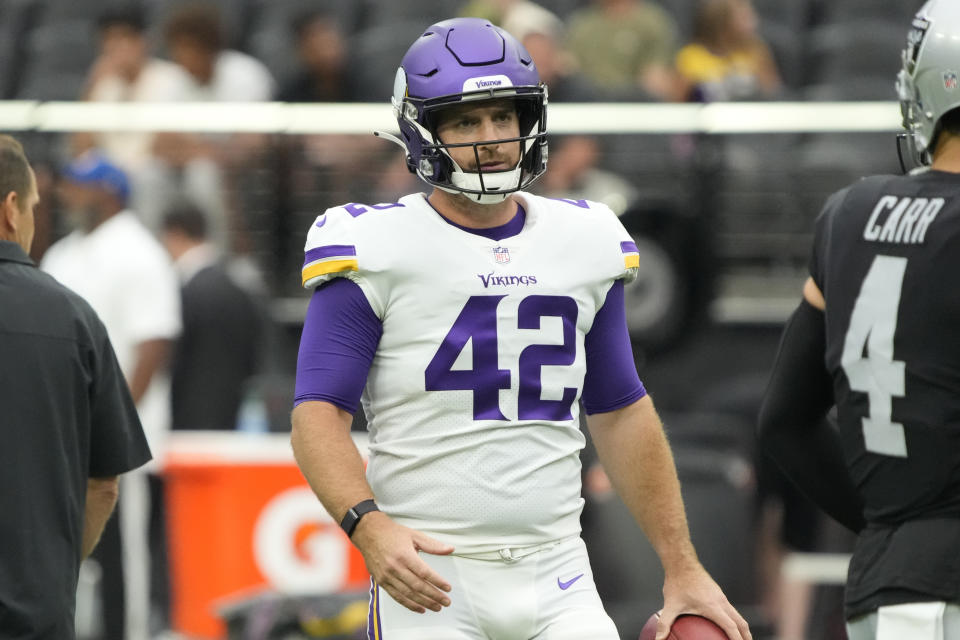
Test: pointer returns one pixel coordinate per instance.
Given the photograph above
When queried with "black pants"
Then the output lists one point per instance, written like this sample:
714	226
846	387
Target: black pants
110	557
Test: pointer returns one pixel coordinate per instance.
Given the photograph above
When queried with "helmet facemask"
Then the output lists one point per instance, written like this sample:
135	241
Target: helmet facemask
436	166
912	137
915	137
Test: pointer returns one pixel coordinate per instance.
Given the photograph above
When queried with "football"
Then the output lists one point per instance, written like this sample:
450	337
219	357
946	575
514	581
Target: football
685	627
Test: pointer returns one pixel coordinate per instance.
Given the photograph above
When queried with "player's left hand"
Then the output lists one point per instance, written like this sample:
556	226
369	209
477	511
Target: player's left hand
694	591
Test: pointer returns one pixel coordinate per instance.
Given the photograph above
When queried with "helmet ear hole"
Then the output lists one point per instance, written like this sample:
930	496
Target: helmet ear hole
426	168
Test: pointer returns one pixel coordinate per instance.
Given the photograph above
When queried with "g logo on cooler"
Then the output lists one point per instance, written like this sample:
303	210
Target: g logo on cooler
298	547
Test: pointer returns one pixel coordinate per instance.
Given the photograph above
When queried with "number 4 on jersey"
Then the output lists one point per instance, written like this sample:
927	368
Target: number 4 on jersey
477	323
873	370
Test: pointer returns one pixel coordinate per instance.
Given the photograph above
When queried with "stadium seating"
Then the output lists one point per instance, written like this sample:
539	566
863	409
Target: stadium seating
377	52
828	162
378	13
283	12
849	11
52	11
851	90
794	14
786	42
843	51
14	17
235	15
272	38
756	208
58	56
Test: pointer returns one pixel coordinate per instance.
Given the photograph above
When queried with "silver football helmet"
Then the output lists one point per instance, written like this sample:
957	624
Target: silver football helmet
927	84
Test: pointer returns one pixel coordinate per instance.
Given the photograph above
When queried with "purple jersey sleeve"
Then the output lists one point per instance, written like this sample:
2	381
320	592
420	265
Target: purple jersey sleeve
611	381
340	337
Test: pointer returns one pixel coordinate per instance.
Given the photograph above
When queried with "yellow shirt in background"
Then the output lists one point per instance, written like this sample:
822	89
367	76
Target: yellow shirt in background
729	77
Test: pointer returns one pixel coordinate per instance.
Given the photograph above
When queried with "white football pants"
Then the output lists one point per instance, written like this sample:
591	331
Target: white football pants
913	621
544	593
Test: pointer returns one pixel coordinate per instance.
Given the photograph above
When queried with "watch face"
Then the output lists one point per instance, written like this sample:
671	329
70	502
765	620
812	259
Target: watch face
350	520
356	512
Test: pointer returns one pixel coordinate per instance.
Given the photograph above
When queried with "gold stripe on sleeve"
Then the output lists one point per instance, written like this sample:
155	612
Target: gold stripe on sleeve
331	266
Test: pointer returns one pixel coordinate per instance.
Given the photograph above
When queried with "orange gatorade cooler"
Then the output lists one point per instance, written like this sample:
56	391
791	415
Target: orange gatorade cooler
241	519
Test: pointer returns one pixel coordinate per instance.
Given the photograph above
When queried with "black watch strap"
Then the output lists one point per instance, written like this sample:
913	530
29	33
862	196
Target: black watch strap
354	513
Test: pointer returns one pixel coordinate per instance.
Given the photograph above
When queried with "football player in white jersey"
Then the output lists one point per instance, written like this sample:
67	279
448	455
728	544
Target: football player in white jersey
472	323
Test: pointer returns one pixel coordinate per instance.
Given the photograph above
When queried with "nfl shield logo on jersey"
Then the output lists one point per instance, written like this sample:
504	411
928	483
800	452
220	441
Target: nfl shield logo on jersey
949	80
501	255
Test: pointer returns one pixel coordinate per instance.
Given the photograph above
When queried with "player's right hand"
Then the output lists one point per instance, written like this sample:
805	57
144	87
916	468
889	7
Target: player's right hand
391	553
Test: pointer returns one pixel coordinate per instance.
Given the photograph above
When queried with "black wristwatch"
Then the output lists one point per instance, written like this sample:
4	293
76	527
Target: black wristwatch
354	513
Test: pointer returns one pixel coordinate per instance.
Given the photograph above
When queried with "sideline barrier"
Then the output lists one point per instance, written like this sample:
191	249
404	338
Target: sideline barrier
363	118
241	520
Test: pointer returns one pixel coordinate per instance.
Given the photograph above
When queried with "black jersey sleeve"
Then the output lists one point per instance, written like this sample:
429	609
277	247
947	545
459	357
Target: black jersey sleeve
821	238
117	441
792	425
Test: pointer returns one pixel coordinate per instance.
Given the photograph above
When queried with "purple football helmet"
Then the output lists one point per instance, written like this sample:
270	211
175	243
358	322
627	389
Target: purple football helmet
460	60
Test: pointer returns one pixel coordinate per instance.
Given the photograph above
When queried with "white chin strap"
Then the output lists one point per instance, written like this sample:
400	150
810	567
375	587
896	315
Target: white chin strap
492	181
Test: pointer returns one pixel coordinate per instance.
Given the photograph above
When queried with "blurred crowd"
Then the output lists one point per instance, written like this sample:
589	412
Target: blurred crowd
344	51
220	219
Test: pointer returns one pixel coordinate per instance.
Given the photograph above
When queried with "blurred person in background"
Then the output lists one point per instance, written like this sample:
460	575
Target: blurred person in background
69	425
543	35
215	355
623	44
199	165
126	72
327	159
195	41
515	16
218	350
875	335
113	261
727	59
321	50
574	174
490	10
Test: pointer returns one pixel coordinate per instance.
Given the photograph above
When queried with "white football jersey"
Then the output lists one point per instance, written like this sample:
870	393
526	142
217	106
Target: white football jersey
472	396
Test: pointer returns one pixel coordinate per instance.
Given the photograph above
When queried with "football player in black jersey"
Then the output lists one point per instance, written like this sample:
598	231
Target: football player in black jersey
877	334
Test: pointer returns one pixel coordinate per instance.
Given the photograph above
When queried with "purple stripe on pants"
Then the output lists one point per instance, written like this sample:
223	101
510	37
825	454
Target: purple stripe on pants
374	629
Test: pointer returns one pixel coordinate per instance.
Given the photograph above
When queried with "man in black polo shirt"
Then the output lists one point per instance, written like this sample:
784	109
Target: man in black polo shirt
68	425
